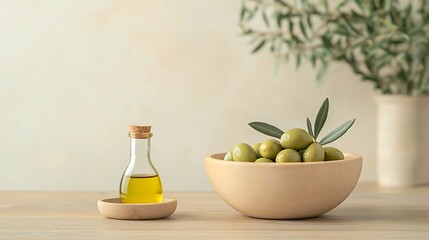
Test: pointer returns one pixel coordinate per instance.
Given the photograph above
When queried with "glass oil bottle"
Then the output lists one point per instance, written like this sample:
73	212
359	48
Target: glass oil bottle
140	182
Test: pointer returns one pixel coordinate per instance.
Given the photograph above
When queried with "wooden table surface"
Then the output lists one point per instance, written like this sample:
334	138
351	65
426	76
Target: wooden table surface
369	213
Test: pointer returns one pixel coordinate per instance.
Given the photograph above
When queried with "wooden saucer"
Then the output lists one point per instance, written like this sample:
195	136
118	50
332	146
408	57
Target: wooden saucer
113	208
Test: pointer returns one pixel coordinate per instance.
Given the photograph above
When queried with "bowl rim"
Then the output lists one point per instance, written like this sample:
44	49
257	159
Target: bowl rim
347	158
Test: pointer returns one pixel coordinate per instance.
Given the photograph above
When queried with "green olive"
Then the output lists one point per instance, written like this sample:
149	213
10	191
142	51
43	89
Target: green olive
270	149
243	152
332	154
296	138
288	155
314	153
264	160
228	156
256	148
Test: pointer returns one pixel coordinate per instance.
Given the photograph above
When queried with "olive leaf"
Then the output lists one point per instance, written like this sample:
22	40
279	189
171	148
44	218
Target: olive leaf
321	117
264	16
309	22
309	127
426	88
338	132
302	27
298	61
259	46
243	12
322	71
267	129
282	3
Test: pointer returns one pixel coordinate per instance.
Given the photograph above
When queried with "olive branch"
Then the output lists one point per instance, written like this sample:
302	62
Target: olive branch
321	117
385	42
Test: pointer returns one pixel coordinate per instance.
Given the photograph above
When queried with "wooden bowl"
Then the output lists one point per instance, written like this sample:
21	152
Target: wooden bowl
113	208
284	190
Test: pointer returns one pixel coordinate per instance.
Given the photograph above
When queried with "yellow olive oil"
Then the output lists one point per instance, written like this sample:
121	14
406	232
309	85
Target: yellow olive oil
141	188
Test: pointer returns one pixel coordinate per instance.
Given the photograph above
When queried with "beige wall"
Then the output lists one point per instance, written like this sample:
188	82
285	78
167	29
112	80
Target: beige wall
74	74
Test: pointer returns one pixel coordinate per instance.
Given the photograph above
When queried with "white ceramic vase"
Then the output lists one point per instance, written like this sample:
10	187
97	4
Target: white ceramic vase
403	141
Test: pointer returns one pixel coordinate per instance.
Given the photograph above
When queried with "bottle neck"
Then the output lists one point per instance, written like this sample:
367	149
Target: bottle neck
140	149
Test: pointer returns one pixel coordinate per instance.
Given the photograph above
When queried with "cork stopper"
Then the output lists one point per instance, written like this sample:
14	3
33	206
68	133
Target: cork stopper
139	132
139	129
